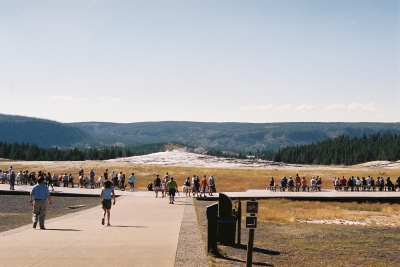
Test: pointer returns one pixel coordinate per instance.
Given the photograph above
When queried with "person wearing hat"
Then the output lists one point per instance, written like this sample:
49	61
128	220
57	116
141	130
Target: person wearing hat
38	196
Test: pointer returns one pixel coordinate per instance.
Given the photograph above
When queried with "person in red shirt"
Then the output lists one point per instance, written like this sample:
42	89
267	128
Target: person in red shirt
304	183
343	181
203	184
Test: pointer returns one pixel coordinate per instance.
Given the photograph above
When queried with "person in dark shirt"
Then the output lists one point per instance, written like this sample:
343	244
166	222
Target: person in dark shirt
157	184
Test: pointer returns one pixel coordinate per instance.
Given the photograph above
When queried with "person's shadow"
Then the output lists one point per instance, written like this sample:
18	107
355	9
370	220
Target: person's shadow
128	226
59	229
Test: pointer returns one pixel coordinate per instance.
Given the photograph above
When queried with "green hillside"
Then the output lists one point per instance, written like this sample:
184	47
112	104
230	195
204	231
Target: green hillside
235	137
44	133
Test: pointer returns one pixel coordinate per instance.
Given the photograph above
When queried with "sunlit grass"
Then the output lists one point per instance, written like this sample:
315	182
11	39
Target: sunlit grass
283	210
226	179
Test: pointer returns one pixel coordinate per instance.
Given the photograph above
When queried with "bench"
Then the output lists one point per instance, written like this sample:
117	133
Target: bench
294	188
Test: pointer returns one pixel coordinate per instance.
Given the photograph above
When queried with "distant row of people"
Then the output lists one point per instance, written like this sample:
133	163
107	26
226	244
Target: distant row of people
297	181
51	180
316	182
366	182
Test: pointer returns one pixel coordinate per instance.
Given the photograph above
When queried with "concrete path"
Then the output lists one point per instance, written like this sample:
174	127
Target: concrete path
144	231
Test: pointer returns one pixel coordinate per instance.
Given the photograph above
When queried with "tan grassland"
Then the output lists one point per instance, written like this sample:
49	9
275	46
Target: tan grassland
234	175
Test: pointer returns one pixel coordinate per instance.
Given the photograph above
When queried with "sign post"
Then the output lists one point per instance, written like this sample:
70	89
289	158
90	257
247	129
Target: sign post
251	223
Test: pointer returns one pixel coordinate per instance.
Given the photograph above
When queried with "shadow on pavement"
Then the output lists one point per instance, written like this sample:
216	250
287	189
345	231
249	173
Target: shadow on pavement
128	226
55	229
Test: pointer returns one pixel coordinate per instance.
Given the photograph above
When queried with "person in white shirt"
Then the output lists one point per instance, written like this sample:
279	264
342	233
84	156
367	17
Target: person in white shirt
313	181
100	181
368	180
211	184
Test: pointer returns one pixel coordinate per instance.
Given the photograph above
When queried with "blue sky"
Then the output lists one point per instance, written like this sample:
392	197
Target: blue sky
214	61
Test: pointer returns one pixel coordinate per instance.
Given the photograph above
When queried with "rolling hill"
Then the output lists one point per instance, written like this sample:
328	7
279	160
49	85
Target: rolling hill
235	137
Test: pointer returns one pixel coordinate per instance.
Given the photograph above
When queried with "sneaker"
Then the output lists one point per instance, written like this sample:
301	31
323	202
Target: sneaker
172	202
108	224
34	225
102	221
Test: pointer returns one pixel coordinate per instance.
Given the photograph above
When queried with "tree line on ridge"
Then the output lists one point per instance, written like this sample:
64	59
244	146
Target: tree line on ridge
341	150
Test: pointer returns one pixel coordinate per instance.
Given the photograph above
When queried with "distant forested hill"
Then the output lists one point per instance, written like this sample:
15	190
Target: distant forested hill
234	137
44	133
340	150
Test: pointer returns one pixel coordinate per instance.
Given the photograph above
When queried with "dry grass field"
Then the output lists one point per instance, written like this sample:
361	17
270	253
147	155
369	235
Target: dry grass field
227	179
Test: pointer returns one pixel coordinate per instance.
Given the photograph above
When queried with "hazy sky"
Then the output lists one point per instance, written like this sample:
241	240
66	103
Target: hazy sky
214	61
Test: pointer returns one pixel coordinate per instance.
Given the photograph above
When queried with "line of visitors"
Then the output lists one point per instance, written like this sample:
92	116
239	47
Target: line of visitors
368	181
193	186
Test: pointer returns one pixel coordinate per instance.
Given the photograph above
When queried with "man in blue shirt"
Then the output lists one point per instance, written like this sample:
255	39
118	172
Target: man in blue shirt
38	196
132	181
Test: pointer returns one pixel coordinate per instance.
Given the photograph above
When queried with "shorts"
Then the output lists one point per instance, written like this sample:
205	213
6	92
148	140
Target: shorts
106	204
171	191
156	188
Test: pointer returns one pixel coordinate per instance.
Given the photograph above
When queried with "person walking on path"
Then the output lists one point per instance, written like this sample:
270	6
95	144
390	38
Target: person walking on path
211	185
106	193
157	184
132	179
12	180
38	196
106	175
204	185
187	186
172	187
196	185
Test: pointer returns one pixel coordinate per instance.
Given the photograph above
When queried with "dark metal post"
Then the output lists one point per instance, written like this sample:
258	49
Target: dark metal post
212	235
239	220
250	243
249	259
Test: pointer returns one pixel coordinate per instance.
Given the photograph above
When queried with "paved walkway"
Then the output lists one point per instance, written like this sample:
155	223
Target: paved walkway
144	231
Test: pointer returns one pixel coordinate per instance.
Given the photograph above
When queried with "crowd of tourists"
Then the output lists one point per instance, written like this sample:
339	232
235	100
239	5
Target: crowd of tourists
338	182
297	182
191	186
354	182
65	180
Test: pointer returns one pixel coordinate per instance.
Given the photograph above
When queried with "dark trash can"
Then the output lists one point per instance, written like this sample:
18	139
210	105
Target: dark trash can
227	230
